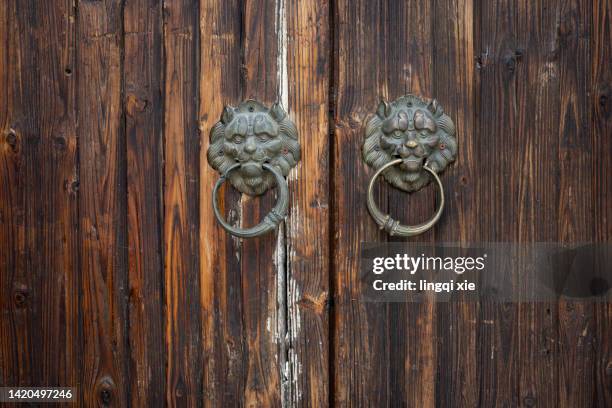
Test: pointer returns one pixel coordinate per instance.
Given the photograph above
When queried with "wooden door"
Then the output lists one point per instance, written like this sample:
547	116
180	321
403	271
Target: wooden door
116	279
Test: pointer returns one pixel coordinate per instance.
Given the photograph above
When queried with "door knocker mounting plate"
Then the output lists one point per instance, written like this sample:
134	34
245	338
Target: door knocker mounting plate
254	147
409	141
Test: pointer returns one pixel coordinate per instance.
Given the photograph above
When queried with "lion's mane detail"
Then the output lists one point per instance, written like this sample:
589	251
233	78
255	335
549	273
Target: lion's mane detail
221	160
438	159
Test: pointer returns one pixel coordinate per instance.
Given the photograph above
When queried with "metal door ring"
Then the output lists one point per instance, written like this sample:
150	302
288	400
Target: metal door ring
271	220
393	227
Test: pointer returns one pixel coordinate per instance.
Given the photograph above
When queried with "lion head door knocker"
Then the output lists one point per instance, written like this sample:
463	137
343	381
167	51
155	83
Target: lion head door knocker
409	141
255	148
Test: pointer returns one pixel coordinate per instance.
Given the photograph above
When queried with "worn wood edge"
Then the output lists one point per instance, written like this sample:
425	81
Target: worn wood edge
261	258
304	70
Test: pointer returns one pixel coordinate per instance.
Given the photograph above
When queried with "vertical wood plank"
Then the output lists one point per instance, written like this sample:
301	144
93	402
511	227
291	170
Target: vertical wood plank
307	72
38	201
575	210
361	344
142	101
360	347
102	203
262	259
500	152
14	281
538	88
11	204
224	344
601	129
456	82
181	204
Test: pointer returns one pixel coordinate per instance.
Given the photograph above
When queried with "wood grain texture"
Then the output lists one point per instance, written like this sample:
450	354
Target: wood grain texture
455	83
360	344
38	202
181	209
102	203
538	86
576	358
223	327
262	260
500	149
142	101
308	68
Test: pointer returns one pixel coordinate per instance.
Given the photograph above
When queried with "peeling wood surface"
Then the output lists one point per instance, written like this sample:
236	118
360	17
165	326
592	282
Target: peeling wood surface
308	70
115	277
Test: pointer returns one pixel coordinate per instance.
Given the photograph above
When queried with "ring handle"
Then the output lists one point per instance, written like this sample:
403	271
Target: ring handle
271	220
393	227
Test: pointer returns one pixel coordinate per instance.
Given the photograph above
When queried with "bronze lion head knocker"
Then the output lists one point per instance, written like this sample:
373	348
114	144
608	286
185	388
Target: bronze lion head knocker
254	147
408	141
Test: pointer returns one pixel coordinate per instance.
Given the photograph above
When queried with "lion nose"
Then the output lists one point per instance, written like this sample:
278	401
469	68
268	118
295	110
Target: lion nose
411	144
250	148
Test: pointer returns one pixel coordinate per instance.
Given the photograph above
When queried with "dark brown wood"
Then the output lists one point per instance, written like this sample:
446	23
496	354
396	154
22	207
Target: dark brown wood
142	100
499	187
102	203
538	197
455	83
359	337
181	210
577	359
39	272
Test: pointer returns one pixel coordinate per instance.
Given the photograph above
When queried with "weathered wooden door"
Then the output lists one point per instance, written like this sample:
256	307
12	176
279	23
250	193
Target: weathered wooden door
116	279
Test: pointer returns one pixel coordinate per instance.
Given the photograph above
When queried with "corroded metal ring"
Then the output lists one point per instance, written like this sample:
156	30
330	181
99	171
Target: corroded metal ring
271	220
392	226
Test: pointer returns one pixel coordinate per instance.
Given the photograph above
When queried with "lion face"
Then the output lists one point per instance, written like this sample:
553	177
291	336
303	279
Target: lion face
414	131
252	135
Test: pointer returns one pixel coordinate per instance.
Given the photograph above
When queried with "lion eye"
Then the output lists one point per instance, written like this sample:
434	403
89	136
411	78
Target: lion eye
423	134
237	138
398	134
